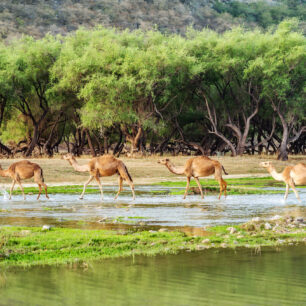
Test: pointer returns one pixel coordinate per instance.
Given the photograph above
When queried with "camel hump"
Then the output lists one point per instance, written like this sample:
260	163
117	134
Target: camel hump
298	174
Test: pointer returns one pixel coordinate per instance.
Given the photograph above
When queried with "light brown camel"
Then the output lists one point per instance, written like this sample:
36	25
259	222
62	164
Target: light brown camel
24	169
291	176
106	165
198	167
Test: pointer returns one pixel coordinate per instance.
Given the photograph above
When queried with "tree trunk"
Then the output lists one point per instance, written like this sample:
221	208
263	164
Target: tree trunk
92	149
5	148
33	143
282	151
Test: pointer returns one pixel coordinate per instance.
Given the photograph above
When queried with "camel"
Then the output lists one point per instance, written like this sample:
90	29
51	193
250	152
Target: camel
106	165
198	167
291	176
24	169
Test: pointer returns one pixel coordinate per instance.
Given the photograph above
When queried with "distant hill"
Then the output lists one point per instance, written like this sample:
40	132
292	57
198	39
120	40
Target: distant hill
37	17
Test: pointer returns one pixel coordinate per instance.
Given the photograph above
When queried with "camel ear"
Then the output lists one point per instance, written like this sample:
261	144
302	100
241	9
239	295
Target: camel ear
167	159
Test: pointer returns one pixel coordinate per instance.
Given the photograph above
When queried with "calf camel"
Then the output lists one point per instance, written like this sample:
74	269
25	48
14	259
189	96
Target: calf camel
24	170
97	167
197	167
291	176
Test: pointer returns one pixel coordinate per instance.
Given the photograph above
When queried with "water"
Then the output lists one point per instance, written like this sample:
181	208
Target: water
203	278
149	208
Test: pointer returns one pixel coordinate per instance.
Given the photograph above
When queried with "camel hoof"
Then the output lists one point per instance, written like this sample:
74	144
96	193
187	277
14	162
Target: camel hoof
81	198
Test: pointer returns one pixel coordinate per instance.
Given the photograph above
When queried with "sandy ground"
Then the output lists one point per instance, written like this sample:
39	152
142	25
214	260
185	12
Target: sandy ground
146	170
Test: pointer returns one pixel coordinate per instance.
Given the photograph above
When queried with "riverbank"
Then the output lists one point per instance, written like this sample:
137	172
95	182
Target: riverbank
32	246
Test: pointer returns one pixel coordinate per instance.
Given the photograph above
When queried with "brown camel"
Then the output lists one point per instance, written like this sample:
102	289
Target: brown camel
291	176
106	165
24	170
198	167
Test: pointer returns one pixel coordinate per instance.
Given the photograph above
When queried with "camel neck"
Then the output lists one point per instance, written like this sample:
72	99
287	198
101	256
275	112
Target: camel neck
77	167
175	170
277	176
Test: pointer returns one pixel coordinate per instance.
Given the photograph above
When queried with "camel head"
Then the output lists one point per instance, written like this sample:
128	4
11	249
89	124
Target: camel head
163	161
265	164
68	156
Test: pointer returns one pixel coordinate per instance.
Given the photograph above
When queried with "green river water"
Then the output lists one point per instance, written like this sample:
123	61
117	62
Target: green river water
224	277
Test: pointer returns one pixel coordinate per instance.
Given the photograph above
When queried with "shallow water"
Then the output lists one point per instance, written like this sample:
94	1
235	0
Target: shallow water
203	278
149	209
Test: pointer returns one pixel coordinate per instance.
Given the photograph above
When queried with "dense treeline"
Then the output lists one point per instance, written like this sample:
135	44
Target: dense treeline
38	17
107	90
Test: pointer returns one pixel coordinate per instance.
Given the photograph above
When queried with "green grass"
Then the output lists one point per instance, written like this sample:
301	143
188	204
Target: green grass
30	246
235	186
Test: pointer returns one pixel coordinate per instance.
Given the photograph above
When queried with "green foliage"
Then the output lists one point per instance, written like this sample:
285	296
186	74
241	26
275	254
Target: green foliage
105	79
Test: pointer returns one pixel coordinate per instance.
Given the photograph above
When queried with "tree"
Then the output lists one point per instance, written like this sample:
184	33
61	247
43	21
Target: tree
283	74
29	64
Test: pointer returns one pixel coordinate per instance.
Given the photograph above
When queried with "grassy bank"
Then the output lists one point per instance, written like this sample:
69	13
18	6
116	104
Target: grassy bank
30	246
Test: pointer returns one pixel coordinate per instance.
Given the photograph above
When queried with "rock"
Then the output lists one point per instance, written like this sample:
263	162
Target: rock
304	239
235	242
268	226
276	217
200	247
151	231
290	219
299	219
240	236
280	241
275	228
232	230
255	219
223	245
46	227
206	241
163	230
102	220
302	225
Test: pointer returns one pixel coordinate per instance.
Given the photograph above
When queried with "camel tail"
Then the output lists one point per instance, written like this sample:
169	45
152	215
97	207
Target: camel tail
42	175
224	171
124	172
127	172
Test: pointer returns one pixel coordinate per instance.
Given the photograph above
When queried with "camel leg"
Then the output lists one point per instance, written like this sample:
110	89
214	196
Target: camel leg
221	188
120	180
131	184
85	185
187	187
224	186
45	187
100	186
286	193
39	187
200	187
12	188
294	189
19	183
